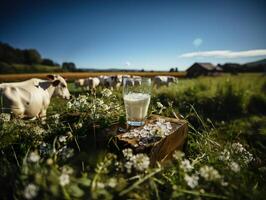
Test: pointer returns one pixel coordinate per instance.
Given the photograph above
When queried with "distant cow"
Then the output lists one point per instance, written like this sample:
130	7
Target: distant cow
163	80
79	83
112	82
31	98
92	83
132	81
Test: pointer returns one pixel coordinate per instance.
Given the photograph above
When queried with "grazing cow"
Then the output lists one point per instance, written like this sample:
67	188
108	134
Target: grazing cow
133	81
112	82
79	83
92	83
163	80
31	98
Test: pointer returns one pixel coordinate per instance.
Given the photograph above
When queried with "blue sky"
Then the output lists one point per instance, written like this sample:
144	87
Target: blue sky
140	34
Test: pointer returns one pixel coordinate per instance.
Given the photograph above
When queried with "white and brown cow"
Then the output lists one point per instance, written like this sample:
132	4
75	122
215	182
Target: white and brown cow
31	98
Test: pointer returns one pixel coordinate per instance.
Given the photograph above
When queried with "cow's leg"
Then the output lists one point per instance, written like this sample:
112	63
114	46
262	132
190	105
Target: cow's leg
42	114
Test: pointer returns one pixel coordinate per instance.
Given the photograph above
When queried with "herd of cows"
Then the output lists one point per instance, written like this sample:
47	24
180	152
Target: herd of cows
116	81
31	98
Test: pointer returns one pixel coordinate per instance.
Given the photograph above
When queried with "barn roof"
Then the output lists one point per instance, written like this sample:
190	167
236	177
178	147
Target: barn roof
207	66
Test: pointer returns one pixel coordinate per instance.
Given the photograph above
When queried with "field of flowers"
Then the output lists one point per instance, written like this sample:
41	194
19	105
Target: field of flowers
69	156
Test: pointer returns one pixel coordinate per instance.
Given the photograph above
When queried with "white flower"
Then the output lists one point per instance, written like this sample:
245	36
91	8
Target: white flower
192	181
34	157
5	117
128	153
100	185
112	182
31	191
79	125
234	167
238	148
141	162
64	179
178	155
38	130
225	155
186	165
106	92
56	117
62	138
209	173
128	166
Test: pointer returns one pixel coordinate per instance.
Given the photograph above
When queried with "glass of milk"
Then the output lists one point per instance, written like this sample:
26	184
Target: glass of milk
137	96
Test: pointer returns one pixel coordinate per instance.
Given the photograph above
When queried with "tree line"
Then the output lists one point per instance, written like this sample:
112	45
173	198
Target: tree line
28	57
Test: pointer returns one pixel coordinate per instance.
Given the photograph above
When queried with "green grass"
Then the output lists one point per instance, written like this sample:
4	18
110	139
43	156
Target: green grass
221	111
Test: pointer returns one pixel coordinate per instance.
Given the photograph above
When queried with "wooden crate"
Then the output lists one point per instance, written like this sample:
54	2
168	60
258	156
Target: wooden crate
162	149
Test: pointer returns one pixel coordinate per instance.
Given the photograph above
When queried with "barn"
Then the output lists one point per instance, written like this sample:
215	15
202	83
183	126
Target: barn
203	69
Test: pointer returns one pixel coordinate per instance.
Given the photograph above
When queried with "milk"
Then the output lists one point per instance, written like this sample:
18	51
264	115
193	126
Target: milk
136	105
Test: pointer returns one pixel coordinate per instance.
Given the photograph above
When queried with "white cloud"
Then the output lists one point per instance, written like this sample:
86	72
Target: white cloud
128	63
225	53
197	42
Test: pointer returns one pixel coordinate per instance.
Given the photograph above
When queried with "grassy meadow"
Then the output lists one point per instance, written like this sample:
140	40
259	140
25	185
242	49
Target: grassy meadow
68	157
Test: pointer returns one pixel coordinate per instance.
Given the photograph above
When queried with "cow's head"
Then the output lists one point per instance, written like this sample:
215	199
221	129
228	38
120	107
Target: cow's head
60	85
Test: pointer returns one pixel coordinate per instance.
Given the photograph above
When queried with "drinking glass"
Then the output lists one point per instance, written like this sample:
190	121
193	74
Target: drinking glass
136	95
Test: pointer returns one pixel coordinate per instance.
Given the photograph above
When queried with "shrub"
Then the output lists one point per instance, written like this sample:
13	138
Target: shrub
257	104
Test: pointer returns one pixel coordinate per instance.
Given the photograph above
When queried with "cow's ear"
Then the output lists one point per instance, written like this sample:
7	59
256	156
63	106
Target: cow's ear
50	77
56	83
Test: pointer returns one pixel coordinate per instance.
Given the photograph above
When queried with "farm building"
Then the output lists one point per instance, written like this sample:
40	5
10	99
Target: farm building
199	69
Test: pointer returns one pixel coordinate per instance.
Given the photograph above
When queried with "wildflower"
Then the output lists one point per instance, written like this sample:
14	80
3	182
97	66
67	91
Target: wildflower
238	148
62	138
186	165
128	153
31	191
38	130
225	155
112	182
106	92
141	162
192	181
100	185
234	166
209	173
128	166
56	118
67	170
5	117
49	161
64	179
34	157
224	183
244	155
178	155
79	125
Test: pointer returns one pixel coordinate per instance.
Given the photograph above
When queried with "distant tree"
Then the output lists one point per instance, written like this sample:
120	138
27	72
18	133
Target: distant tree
47	61
176	69
70	66
172	70
142	70
32	56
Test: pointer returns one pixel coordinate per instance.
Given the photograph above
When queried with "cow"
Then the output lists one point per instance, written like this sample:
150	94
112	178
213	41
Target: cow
132	81
79	83
112	82
163	80
92	83
31	98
